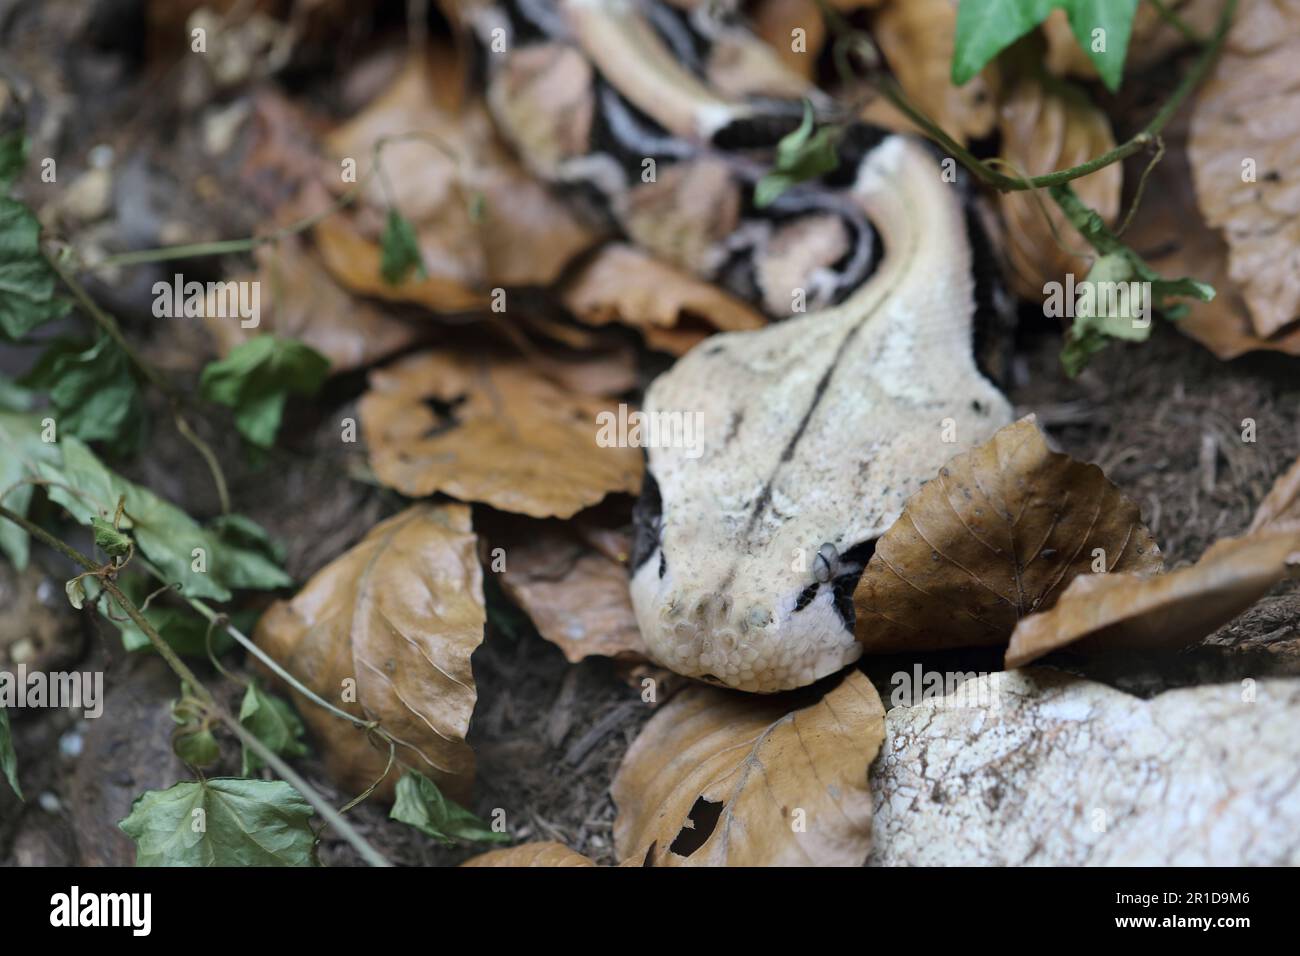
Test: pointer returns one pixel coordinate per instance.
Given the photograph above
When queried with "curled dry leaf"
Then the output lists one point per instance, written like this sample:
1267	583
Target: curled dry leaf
577	596
1046	128
673	309
1051	770
917	38
724	779
1169	233
397	618
996	536
530	854
300	300
488	429
1245	156
1282	503
1104	612
481	222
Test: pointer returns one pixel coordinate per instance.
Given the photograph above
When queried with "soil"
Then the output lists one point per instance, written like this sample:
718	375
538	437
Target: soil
1164	421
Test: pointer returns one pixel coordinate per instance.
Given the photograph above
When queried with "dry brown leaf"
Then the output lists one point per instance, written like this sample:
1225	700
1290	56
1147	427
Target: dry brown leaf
1045	129
1282	503
530	854
623	284
1245	156
687	213
995	537
482	428
774	21
399	614
718	778
576	596
1169	233
1121	611
917	39
300	300
524	235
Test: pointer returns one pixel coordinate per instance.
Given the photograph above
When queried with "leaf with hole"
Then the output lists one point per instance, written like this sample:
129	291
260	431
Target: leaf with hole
718	778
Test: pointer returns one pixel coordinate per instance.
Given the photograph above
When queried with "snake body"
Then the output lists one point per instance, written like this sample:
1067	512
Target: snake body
814	430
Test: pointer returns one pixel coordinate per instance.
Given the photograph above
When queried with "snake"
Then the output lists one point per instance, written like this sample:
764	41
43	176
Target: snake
660	120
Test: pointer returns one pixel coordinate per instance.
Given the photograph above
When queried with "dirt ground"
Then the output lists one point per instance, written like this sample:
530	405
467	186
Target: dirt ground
1163	420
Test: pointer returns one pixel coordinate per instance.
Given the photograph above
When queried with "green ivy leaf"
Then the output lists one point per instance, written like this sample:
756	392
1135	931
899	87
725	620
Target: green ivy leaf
27	283
22	452
400	249
273	721
13	397
421	804
109	540
246	556
801	155
13	157
93	391
987	27
1114	18
256	378
203	563
222	822
198	749
8	759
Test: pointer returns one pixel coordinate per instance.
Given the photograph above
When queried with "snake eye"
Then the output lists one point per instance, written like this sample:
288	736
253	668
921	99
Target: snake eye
647	521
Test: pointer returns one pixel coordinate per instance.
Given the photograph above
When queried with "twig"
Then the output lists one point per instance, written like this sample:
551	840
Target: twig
1142	186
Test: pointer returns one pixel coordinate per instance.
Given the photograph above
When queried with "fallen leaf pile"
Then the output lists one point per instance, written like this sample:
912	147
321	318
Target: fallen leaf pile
480	221
487	420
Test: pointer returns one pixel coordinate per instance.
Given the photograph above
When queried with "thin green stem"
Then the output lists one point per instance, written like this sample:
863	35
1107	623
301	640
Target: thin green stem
110	326
274	666
1177	22
205	696
890	89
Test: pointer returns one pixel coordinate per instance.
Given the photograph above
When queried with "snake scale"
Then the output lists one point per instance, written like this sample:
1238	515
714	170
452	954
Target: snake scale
660	118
